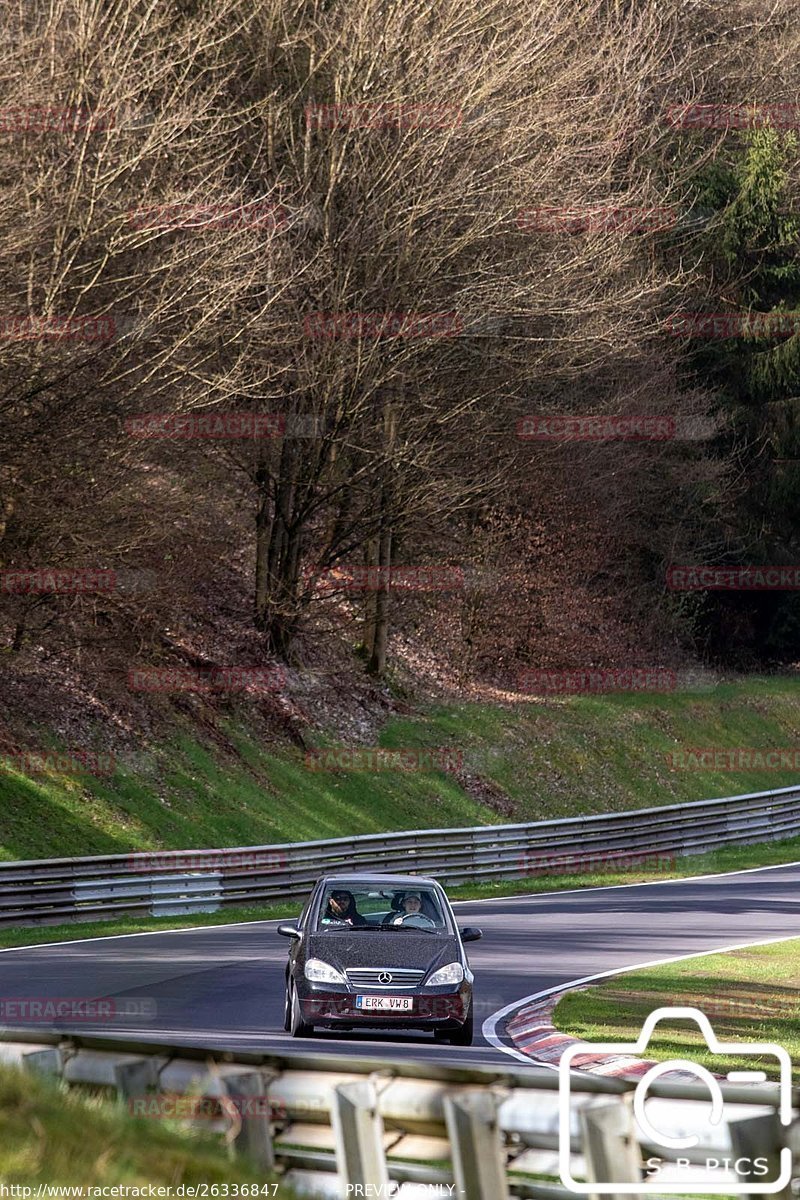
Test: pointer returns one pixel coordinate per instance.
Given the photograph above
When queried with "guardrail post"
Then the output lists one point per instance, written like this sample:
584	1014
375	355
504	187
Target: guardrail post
478	1160
792	1136
358	1129
762	1137
135	1077
476	843
46	1061
610	1145
254	1138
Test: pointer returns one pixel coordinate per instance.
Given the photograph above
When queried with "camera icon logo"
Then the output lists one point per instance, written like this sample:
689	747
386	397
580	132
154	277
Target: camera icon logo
663	1150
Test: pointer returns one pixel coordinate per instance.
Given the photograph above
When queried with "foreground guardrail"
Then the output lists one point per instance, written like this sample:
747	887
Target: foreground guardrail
329	1125
180	881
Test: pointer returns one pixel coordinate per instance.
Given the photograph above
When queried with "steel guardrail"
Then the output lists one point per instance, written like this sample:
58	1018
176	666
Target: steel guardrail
326	1124
183	881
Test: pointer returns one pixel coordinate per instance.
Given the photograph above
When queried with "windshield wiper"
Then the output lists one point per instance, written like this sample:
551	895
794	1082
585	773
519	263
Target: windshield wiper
338	928
350	928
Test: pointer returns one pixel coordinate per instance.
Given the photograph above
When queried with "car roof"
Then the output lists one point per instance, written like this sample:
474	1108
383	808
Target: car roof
398	881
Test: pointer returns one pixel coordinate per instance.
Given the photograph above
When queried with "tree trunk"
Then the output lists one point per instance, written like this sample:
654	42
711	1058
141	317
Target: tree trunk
8	479
277	554
377	658
370	602
376	663
19	636
263	538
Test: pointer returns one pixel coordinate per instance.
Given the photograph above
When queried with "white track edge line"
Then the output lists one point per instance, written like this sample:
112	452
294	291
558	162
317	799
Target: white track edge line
489	1027
610	887
605	887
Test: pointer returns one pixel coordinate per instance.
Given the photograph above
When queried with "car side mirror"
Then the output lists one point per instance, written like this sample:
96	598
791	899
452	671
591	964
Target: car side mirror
289	931
470	934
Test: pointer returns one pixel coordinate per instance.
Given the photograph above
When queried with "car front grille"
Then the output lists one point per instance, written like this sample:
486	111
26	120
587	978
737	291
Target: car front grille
369	977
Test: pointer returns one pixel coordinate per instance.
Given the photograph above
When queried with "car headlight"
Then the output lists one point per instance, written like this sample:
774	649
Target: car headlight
452	973
318	971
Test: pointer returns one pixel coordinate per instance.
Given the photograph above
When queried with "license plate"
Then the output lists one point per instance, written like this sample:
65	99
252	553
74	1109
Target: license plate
385	1003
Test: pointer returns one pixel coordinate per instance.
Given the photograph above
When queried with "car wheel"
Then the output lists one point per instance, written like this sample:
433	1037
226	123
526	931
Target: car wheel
464	1035
297	1026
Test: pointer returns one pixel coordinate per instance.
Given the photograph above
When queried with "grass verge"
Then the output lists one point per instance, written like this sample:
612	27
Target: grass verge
54	1134
526	761
750	995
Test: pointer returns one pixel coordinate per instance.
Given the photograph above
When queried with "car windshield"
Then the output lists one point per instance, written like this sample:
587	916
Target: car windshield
386	909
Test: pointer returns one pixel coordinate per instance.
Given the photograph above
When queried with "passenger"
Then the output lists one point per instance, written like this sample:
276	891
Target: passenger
342	908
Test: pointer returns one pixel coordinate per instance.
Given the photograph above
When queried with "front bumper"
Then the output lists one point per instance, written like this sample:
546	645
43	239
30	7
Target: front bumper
432	1008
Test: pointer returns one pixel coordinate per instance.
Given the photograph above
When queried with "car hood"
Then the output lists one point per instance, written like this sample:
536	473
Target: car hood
346	951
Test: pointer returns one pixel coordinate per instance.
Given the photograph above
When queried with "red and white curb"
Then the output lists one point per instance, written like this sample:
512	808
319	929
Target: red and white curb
533	1033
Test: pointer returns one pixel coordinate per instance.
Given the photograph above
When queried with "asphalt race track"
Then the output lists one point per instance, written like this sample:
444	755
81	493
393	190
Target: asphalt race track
222	986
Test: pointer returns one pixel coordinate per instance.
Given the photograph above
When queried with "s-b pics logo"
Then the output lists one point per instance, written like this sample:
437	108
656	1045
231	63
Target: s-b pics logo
686	1146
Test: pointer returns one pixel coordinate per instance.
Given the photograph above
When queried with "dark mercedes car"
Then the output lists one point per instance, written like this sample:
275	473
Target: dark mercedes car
379	951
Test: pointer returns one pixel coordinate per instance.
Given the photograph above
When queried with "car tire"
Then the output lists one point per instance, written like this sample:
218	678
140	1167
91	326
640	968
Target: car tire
464	1035
297	1026
287	1007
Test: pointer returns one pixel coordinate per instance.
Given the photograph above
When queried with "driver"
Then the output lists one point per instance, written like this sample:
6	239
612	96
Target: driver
342	907
411	906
